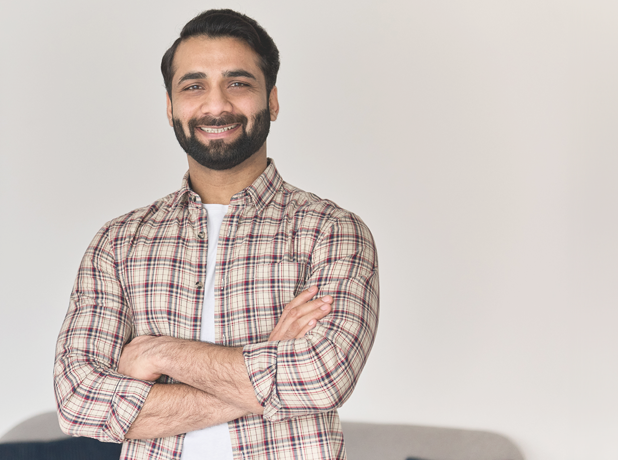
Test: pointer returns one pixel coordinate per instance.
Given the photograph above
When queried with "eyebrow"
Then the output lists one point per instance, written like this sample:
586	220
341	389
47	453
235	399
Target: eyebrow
191	76
227	74
239	73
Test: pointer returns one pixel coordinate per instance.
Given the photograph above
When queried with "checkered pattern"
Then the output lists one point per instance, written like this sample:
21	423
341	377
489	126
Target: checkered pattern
143	274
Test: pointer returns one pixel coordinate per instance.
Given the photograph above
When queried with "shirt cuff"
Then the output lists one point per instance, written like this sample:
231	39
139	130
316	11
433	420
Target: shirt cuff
261	363
129	398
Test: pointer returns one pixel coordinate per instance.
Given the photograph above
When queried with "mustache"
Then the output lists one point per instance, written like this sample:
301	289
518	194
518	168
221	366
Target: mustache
223	120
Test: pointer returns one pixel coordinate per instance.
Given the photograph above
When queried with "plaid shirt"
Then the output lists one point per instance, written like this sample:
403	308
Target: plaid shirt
143	274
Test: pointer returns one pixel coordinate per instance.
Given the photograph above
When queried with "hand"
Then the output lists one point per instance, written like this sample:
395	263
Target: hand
137	358
301	315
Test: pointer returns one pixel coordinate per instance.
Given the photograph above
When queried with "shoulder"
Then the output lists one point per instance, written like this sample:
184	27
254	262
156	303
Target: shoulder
327	229
339	245
319	211
123	230
156	213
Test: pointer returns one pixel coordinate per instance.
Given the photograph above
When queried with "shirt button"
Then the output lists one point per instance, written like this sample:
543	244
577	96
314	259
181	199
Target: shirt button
199	285
201	235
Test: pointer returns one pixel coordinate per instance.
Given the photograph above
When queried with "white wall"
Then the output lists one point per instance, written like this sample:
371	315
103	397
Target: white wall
476	138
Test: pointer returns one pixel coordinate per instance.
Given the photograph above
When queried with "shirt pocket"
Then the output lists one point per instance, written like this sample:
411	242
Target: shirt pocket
264	296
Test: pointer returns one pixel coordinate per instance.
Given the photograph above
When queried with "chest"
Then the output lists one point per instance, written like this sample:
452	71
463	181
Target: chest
261	265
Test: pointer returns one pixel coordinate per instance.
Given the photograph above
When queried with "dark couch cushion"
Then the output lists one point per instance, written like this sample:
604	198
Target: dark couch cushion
64	449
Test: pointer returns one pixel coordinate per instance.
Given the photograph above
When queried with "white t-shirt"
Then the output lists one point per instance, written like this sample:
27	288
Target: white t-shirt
212	443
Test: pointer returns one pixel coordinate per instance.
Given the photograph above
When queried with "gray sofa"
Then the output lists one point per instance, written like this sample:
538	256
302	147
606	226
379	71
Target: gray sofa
364	441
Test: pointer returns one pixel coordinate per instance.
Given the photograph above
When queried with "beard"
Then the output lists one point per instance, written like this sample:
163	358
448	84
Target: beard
218	154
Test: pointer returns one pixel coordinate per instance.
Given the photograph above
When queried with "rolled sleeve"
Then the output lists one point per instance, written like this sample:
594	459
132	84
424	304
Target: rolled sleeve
93	399
319	371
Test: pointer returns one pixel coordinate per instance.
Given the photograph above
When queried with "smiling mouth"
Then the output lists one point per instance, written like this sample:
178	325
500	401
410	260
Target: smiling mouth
214	130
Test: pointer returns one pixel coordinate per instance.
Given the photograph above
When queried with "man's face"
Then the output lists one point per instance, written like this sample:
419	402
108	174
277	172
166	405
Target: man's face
219	108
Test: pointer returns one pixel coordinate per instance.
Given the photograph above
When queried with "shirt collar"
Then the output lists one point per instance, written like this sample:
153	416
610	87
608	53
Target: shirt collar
263	189
185	193
261	192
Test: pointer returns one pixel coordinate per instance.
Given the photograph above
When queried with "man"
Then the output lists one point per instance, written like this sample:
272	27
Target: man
239	310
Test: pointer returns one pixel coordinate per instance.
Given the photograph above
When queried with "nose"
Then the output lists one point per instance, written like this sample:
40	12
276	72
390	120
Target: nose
216	102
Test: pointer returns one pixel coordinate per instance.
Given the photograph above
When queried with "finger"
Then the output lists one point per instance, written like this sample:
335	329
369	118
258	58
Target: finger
306	329
300	299
303	297
295	313
300	320
311	321
297	326
299	317
314	314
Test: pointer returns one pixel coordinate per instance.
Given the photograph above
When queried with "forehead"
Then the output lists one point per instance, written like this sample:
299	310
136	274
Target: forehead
214	56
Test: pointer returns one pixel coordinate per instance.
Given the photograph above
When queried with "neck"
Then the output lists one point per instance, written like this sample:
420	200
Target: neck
218	187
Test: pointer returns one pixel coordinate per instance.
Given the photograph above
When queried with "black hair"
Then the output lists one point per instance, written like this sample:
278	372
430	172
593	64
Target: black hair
227	23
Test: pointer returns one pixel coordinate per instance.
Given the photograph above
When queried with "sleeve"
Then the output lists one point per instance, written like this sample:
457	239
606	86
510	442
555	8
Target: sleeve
93	399
318	373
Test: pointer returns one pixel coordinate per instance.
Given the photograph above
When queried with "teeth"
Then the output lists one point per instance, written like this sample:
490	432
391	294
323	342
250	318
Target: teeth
216	130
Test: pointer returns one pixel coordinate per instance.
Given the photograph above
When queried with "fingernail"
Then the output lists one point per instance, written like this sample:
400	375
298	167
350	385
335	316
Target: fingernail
312	322
327	299
325	307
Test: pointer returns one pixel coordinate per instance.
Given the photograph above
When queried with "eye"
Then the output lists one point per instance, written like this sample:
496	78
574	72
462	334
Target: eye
238	84
192	88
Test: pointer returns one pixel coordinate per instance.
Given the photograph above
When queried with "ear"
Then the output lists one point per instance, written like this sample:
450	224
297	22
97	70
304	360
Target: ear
170	112
273	104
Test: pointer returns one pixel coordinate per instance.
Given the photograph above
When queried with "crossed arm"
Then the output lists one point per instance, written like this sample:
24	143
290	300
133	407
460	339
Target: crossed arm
105	389
216	387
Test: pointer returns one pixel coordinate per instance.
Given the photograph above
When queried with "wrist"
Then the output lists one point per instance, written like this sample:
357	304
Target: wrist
161	356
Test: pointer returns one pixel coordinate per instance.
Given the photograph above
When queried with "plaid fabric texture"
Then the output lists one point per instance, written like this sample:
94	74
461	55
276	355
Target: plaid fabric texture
143	274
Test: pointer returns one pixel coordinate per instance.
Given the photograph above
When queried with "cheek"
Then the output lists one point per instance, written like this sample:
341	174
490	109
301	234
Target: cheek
181	114
184	108
179	126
